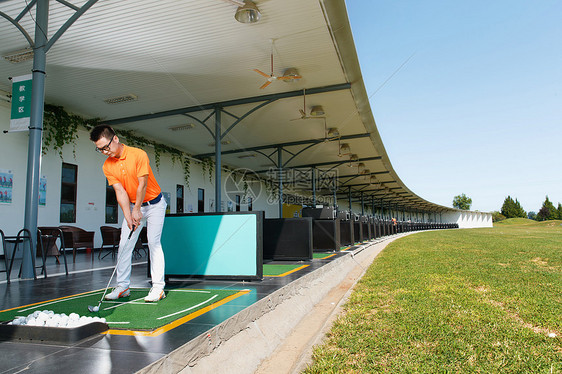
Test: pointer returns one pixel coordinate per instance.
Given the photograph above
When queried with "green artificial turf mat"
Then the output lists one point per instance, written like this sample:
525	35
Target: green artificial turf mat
321	255
273	270
130	313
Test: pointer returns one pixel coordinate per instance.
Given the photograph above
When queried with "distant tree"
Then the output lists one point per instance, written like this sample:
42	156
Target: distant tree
512	208
508	207
462	202
559	211
520	211
531	215
543	214
547	211
497	216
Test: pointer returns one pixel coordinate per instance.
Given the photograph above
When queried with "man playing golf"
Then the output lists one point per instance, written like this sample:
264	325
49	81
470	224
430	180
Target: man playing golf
127	169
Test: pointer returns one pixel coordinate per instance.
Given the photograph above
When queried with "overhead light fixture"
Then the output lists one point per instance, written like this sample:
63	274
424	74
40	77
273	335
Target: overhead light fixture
365	172
353	158
317	110
187	126
345	149
19	56
121	99
333	132
247	13
251	155
223	142
292	74
360	167
373	180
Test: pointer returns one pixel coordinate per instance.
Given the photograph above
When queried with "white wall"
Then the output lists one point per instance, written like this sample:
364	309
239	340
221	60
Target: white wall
13	156
468	219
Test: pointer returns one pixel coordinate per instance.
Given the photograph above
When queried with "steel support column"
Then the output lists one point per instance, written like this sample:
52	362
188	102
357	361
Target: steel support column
280	166
362	204
314	187
335	196
218	166
35	132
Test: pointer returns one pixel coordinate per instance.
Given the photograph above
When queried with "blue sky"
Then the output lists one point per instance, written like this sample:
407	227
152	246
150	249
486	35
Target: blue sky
477	107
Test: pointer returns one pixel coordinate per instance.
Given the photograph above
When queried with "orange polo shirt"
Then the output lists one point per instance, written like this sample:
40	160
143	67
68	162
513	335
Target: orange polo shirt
126	170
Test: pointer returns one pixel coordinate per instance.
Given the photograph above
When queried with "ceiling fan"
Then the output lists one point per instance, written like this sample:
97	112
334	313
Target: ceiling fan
272	77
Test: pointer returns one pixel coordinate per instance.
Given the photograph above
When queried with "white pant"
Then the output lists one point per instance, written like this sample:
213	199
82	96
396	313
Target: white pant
153	217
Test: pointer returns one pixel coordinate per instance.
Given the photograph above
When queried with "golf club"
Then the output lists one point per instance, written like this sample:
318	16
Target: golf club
95	309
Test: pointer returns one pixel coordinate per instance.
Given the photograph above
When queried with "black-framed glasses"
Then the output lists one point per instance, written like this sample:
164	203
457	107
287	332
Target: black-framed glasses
105	148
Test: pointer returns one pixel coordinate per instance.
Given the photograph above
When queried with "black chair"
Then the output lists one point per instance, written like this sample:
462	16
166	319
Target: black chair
142	243
110	238
2	236
75	238
47	242
20	238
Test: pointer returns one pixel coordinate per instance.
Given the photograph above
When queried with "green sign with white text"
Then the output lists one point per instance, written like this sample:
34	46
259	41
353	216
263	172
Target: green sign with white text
21	103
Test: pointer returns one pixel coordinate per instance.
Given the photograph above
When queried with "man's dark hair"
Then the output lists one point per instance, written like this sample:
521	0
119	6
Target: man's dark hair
101	131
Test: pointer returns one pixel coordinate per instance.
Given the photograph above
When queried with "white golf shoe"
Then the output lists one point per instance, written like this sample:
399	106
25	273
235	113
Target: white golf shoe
117	293
154	295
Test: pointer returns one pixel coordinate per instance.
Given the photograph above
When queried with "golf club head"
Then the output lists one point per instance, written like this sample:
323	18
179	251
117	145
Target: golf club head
93	309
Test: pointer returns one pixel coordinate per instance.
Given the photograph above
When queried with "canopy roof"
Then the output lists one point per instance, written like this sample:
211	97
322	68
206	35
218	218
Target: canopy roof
176	61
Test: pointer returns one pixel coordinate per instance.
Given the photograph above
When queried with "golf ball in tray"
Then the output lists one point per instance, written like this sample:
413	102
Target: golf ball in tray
48	318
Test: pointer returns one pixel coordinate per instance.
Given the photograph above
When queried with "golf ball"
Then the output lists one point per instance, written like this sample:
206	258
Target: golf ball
49	318
42	316
96	309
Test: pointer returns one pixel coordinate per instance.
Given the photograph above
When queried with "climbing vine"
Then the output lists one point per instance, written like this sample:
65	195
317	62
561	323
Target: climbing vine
61	128
208	167
186	163
211	169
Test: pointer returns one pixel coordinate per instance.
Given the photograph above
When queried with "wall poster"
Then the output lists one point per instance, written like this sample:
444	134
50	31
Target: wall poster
43	191
6	185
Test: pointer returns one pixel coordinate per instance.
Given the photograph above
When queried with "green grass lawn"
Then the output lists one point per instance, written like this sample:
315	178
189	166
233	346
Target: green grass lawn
455	301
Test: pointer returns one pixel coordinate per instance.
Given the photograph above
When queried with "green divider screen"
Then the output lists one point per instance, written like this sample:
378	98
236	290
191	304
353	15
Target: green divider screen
214	245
